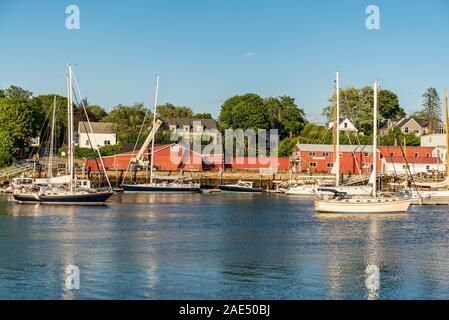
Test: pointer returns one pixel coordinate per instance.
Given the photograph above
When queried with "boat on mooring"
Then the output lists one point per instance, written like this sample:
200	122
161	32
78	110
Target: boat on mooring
66	189
241	187
341	202
139	162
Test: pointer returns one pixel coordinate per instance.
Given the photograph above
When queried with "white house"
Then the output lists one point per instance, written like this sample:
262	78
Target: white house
104	133
345	125
433	140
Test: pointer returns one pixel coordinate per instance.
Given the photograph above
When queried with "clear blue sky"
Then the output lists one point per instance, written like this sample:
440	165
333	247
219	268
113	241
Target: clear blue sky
207	51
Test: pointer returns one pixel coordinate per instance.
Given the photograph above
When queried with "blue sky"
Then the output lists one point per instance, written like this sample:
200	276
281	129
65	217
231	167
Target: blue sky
208	50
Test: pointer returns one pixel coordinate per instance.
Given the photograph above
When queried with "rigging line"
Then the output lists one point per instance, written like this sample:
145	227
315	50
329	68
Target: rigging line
90	141
90	127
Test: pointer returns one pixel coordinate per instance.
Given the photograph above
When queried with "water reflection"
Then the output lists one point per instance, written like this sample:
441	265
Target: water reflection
221	247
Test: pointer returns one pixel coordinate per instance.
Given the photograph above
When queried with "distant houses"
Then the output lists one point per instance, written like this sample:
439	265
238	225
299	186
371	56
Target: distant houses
192	127
407	125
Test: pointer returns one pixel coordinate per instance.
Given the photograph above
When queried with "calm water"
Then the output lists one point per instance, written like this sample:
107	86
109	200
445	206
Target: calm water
219	247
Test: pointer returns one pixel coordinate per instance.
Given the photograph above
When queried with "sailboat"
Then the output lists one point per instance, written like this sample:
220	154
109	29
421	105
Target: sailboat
168	184
307	190
67	189
435	192
342	203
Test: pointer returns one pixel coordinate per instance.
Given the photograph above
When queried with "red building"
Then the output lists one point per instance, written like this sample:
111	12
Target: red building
313	158
176	157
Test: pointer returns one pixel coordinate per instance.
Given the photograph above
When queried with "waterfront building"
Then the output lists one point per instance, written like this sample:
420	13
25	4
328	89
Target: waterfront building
355	160
103	134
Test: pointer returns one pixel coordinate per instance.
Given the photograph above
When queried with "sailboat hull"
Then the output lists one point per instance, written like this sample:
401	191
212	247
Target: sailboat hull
363	206
98	198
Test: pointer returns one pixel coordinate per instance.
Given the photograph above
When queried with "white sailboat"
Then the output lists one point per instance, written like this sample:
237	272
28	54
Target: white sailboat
311	190
435	192
167	184
67	189
342	203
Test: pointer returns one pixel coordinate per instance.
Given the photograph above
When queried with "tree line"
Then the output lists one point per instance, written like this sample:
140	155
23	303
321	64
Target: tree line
23	115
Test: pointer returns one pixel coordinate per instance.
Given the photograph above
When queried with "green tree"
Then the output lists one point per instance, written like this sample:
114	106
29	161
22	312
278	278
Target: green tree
285	116
203	116
128	121
245	112
2	93
18	92
315	134
357	106
96	113
285	147
431	108
169	111
18	124
394	136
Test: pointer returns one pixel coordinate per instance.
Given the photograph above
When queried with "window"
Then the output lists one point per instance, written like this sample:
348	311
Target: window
312	154
107	142
313	165
416	131
87	143
329	165
391	154
366	154
341	155
345	125
406	130
405	166
427	167
325	154
416	155
427	155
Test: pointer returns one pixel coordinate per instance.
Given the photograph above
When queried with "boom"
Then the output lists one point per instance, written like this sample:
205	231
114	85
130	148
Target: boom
139	158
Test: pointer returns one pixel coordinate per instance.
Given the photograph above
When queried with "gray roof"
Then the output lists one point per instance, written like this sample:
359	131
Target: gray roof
330	148
180	122
97	127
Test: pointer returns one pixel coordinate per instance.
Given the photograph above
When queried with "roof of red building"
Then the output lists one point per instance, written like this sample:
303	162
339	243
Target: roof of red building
421	160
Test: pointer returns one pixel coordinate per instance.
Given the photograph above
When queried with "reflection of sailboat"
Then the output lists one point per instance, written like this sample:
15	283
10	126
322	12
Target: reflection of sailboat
65	189
168	184
342	203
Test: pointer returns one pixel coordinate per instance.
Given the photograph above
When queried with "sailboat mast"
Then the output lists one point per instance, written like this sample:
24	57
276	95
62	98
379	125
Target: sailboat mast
70	128
52	138
337	133
334	128
447	131
376	85
154	125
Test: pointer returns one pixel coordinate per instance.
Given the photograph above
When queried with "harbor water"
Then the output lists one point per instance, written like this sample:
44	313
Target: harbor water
220	246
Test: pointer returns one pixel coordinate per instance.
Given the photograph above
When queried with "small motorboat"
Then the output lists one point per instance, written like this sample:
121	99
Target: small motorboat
241	187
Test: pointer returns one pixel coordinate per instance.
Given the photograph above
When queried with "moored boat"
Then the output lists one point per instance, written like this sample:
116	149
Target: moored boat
343	203
240	187
65	189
